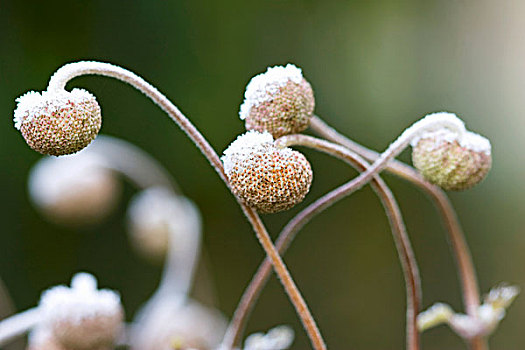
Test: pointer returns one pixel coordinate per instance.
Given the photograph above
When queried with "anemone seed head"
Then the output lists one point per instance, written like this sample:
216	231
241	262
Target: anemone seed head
279	101
58	122
265	177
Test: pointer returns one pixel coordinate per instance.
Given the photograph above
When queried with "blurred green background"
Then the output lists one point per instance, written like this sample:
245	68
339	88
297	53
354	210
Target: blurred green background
375	66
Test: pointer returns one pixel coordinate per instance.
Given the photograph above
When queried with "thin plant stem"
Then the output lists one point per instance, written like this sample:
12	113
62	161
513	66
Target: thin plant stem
58	82
463	257
406	255
18	324
7	308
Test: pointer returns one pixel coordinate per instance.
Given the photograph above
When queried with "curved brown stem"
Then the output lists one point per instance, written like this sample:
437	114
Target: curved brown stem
466	270
59	80
408	262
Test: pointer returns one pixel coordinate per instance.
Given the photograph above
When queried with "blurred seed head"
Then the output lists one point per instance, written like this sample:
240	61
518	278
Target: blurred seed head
278	338
451	161
152	214
190	326
81	317
42	338
279	101
58	122
73	190
265	177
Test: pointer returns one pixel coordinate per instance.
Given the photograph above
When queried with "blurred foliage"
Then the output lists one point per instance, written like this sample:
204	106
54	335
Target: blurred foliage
376	66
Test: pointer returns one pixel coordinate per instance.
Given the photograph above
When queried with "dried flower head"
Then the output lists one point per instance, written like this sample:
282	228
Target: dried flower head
279	101
265	177
184	327
278	338
450	160
73	190
157	215
82	317
58	122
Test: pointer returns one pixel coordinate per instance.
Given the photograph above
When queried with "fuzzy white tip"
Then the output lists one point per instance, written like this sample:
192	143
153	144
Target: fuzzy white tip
81	301
447	127
502	296
278	338
244	147
261	87
33	104
437	314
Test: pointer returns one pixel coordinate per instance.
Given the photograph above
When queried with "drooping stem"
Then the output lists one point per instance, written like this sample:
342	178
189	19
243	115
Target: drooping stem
466	270
132	162
58	82
408	262
18	324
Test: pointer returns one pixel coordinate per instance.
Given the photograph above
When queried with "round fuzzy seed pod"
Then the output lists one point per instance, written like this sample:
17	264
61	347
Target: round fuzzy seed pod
58	122
73	190
279	101
265	177
82	317
451	162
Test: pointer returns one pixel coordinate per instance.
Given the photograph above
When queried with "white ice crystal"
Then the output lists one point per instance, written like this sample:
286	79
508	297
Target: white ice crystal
261	87
80	301
439	129
33	104
244	147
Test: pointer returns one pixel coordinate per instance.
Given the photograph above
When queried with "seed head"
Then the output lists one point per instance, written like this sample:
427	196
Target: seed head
190	326
265	177
157	215
279	101
82	317
278	338
73	190
451	161
58	122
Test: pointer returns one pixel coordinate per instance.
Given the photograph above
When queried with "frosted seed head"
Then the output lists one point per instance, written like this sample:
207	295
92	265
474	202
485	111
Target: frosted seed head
190	326
58	122
451	161
279	101
278	338
73	190
82	317
41	338
157	215
265	177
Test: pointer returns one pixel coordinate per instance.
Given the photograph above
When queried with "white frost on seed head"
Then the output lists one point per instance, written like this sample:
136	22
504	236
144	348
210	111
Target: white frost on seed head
439	128
81	301
33	103
244	147
278	338
261	88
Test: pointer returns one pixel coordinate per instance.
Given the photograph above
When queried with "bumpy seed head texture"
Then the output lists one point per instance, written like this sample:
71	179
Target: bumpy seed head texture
73	190
279	101
82	317
58	122
265	177
450	161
